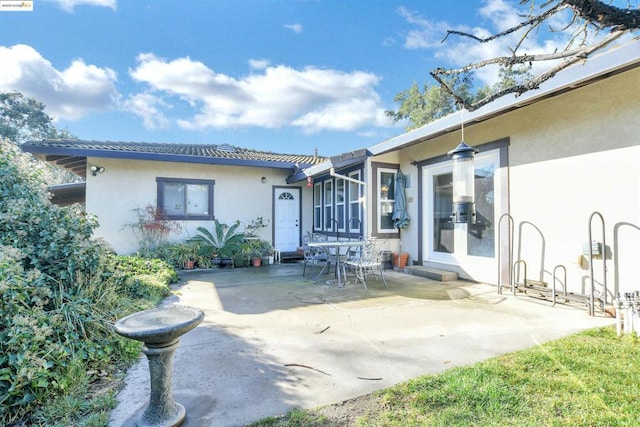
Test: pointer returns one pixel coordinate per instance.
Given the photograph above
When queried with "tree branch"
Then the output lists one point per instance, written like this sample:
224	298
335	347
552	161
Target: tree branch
605	15
534	21
574	56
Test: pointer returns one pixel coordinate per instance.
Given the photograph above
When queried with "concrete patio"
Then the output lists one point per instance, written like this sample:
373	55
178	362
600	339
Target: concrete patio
272	340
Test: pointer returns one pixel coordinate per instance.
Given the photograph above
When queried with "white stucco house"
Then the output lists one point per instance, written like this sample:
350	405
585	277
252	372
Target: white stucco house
192	184
548	161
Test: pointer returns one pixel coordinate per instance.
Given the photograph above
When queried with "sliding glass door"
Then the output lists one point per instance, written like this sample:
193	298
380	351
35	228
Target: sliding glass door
469	247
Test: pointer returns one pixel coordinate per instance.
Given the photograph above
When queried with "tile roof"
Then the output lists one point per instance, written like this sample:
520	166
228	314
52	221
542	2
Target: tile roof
70	153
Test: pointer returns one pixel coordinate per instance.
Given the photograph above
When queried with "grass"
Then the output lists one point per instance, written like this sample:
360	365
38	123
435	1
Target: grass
588	379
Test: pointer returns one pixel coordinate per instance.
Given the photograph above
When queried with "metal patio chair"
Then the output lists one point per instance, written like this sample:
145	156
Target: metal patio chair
312	255
368	263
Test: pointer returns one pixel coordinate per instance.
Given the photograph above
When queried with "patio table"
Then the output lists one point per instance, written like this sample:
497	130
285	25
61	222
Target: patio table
337	245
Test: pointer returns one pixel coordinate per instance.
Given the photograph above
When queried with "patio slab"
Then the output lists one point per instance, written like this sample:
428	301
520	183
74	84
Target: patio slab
272	340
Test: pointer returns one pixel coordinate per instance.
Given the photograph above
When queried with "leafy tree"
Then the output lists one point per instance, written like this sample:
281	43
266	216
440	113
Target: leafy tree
420	108
23	119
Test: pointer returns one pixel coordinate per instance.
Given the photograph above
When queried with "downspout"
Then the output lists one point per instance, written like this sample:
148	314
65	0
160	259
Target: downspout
333	173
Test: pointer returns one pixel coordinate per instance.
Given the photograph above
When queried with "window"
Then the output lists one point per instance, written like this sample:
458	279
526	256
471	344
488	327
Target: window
337	205
328	205
355	194
286	196
386	191
340	205
317	206
186	198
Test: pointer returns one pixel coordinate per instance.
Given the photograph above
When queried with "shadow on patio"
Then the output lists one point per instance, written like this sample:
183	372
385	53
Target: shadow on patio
282	287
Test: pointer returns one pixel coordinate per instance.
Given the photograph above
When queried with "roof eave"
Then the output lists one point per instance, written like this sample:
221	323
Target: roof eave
337	162
111	154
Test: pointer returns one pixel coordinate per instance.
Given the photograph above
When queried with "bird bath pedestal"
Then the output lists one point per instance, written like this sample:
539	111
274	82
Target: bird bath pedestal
160	329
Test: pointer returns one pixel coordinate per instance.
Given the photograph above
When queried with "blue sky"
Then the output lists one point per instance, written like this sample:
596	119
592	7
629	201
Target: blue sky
276	75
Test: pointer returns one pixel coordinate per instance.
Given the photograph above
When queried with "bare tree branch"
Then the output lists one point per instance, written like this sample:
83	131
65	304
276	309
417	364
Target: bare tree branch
594	16
574	56
535	21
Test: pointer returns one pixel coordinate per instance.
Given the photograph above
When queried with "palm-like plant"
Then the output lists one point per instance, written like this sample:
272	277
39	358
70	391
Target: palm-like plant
223	241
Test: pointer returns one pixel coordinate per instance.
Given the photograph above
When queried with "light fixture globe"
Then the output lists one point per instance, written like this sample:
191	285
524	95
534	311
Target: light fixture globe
95	169
464	209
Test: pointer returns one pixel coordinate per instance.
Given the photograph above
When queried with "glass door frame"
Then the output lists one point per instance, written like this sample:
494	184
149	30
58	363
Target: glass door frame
459	255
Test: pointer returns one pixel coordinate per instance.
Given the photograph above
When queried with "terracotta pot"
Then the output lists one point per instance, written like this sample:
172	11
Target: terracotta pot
256	262
400	260
189	264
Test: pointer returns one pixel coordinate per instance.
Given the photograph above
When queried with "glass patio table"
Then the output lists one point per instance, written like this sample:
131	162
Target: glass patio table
337	246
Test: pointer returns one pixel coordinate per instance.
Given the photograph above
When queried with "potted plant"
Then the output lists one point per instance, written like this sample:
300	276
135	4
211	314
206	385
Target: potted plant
256	260
223	242
184	255
266	251
257	249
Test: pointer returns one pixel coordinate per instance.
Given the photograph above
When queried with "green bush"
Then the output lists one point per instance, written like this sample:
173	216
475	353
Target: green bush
56	241
60	293
45	334
142	277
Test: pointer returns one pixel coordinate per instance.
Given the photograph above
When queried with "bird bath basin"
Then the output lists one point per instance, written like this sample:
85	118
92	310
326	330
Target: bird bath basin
160	330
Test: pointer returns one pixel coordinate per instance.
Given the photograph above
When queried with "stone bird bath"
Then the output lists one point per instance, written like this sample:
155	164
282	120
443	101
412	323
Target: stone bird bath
160	330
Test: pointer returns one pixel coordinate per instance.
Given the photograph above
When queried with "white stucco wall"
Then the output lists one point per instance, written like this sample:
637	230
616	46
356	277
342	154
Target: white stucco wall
568	156
125	185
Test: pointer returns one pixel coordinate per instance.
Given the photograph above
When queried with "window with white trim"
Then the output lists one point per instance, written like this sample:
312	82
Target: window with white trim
328	205
340	204
317	206
386	193
355	209
337	205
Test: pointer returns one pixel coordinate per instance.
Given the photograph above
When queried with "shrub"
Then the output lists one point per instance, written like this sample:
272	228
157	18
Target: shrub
142	277
56	241
60	293
45	334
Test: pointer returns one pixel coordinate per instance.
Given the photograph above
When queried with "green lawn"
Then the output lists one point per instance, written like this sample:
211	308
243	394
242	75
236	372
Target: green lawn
587	379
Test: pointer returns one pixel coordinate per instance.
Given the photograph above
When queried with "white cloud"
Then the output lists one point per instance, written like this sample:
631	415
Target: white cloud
69	5
313	99
147	106
296	28
428	34
501	14
67	94
258	64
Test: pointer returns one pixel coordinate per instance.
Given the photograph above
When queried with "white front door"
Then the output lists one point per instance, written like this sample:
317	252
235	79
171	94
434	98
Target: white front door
469	248
286	219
